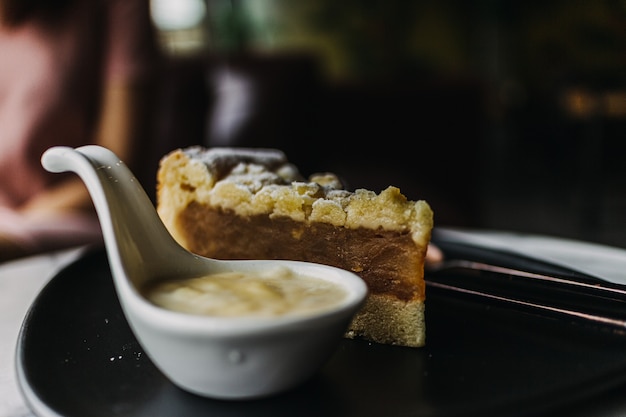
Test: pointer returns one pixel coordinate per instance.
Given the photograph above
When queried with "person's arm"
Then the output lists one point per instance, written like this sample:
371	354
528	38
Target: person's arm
63	214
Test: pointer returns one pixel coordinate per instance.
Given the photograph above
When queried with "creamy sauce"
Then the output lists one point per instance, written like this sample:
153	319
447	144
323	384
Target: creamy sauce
274	292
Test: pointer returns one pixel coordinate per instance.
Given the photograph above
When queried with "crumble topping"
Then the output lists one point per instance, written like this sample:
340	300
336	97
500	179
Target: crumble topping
262	181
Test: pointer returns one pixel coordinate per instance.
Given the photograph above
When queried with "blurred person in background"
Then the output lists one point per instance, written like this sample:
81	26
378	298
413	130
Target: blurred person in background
72	72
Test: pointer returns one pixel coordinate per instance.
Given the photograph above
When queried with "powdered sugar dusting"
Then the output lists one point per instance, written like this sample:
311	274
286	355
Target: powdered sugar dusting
222	161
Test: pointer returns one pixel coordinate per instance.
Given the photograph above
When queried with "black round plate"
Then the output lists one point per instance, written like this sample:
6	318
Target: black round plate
77	357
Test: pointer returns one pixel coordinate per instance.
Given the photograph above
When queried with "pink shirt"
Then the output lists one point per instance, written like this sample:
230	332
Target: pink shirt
50	88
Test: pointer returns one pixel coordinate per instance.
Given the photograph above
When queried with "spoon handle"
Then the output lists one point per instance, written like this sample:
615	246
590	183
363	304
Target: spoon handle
134	234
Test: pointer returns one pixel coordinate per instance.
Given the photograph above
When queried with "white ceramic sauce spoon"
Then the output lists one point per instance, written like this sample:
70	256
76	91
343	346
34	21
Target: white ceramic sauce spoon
219	357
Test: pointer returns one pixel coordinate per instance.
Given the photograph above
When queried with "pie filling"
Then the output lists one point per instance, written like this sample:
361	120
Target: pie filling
388	261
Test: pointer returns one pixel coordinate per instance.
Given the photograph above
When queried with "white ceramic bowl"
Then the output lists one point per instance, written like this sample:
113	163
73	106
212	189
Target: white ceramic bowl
219	357
245	357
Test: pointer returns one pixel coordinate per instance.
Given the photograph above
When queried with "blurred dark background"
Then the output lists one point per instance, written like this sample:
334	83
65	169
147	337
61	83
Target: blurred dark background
502	114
